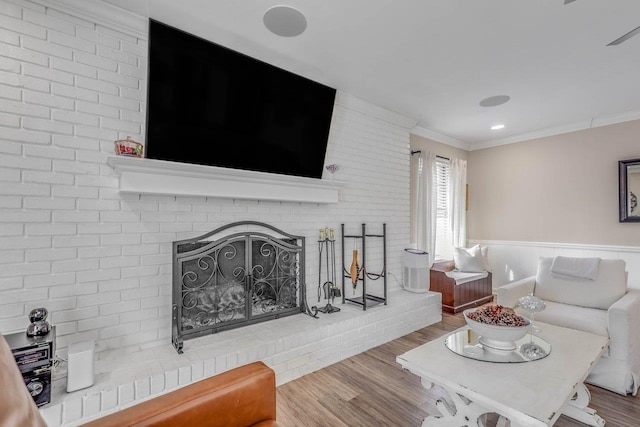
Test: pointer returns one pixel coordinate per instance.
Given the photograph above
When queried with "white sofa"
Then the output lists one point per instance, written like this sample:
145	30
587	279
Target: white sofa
603	306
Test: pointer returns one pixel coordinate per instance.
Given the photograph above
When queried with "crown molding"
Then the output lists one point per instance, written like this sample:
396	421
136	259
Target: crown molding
354	103
619	118
102	13
440	137
542	133
559	130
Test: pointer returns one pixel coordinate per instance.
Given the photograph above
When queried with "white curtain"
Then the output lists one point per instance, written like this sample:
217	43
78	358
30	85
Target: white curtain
457	201
425	205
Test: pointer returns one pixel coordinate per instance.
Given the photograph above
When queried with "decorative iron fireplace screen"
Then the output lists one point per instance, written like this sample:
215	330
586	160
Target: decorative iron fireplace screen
239	279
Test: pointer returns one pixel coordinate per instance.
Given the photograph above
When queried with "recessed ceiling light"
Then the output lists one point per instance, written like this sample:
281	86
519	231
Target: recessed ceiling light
285	21
497	127
494	101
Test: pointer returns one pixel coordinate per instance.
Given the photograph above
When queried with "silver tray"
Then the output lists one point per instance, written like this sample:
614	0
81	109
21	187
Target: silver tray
467	343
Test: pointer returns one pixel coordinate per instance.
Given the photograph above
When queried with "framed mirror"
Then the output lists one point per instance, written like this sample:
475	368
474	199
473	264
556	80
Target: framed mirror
629	175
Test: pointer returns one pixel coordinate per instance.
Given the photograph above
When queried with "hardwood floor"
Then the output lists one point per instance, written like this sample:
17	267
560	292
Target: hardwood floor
370	389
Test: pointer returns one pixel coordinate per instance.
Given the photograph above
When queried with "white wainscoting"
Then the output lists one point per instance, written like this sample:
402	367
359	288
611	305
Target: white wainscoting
512	261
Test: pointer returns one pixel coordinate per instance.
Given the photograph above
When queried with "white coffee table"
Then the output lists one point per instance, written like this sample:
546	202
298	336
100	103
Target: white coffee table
528	394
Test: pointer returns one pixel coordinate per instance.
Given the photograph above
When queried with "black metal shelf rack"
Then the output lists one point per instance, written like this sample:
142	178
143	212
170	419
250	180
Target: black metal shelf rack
366	299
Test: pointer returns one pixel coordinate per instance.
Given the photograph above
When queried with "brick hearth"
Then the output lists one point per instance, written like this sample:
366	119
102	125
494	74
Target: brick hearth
292	346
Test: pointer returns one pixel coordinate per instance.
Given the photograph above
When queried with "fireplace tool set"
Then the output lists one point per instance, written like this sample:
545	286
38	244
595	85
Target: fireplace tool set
357	273
326	246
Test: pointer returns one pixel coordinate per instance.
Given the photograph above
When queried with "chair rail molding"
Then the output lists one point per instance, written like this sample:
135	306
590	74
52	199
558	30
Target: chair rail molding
150	176
578	246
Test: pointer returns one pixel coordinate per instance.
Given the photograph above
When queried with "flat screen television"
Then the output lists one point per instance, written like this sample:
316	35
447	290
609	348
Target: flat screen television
210	105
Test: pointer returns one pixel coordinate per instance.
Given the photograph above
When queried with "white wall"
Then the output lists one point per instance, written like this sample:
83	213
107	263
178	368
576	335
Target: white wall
100	261
562	188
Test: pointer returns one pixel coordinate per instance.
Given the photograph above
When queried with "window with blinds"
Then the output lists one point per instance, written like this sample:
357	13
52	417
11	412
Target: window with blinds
444	235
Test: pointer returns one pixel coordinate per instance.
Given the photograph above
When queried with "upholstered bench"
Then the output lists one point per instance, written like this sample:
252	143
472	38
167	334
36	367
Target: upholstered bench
460	290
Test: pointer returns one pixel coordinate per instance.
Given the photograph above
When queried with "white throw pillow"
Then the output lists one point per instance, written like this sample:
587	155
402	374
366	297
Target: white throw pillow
469	260
484	250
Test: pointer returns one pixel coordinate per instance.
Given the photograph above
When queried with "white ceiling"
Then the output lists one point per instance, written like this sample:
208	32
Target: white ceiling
434	60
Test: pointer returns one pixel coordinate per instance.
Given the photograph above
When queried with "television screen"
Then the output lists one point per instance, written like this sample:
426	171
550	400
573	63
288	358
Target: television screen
210	105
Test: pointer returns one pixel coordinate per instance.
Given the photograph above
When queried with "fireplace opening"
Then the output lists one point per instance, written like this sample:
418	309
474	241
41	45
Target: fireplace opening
225	279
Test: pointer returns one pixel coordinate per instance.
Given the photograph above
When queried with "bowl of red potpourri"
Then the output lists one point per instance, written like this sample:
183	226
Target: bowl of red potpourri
498	327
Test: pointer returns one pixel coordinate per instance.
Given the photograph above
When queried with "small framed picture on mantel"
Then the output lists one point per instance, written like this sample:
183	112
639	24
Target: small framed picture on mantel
128	147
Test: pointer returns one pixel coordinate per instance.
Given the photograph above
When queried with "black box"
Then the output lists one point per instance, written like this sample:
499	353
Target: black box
34	357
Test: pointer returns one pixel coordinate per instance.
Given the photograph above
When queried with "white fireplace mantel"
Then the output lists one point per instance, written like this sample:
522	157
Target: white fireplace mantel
149	176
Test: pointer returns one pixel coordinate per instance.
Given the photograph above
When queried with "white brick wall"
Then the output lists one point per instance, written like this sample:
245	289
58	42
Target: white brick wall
98	260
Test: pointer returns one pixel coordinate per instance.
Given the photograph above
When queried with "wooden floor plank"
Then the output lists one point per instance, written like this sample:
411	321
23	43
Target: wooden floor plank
371	389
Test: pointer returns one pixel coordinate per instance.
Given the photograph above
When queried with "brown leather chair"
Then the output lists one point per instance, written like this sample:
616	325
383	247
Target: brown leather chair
245	396
17	408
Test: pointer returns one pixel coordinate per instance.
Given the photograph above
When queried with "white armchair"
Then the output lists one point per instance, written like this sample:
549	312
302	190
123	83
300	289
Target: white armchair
603	306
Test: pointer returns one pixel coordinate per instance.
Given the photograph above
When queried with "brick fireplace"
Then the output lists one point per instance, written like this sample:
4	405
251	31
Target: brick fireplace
81	239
